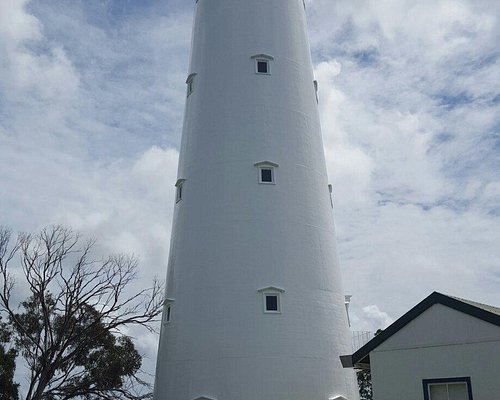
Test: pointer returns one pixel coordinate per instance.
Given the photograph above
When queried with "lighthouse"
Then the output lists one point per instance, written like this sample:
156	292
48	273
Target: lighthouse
254	307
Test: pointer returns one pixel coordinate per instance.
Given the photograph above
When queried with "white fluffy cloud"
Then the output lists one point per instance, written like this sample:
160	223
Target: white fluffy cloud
410	112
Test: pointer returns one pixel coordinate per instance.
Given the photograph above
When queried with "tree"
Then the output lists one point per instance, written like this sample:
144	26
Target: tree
70	330
10	390
365	380
365	384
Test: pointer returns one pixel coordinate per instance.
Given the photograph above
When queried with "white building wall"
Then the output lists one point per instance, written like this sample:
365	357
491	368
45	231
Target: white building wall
438	325
233	236
440	343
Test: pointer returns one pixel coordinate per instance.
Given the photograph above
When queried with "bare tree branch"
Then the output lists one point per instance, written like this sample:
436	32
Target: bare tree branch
71	325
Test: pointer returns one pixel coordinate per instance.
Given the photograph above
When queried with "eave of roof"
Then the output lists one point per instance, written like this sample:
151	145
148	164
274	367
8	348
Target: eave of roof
487	313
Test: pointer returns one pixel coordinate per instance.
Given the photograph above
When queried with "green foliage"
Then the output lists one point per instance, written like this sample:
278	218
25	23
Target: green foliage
8	389
101	361
365	384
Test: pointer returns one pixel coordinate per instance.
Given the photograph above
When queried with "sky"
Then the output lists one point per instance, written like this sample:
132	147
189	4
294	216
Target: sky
91	104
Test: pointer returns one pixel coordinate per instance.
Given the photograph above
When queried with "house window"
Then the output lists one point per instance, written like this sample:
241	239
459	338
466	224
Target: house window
272	299
190	83
267	172
179	190
263	63
447	389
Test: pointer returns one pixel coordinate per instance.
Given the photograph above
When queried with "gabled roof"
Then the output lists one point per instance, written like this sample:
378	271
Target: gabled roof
482	311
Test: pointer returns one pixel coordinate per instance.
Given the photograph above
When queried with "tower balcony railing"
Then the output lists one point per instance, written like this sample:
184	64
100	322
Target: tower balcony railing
360	338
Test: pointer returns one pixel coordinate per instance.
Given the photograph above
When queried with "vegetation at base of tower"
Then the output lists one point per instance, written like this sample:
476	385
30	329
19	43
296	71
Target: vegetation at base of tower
365	380
69	331
8	389
365	384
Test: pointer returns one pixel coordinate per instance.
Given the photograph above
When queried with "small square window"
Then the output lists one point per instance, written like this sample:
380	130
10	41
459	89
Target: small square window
266	175
266	172
271	297
262	66
272	303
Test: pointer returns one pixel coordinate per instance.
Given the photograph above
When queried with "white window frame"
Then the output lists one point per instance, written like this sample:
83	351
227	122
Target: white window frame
169	305
263	58
178	189
428	383
190	84
271	291
267	165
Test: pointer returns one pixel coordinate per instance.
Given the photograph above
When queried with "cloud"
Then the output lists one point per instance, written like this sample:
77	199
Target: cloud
408	102
371	319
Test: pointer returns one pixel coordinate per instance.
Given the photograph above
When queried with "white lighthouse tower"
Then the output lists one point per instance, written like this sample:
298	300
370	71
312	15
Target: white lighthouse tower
254	306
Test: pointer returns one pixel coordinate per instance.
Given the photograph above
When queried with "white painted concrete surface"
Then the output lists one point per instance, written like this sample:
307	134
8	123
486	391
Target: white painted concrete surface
440	343
233	235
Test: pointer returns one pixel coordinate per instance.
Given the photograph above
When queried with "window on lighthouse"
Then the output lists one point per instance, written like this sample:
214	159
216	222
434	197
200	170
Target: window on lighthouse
272	299
262	66
266	175
168	313
263	63
267	172
178	190
190	83
272	304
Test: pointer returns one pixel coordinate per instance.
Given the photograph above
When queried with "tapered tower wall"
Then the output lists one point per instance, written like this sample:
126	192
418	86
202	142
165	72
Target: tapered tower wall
233	235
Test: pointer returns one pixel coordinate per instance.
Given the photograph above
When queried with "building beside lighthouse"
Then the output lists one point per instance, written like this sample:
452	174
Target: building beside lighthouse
254	305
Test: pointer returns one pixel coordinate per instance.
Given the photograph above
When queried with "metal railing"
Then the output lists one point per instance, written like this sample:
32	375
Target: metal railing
360	338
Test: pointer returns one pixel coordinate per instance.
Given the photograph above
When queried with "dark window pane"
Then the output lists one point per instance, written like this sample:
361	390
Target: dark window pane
262	67
266	175
271	303
179	193
168	314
